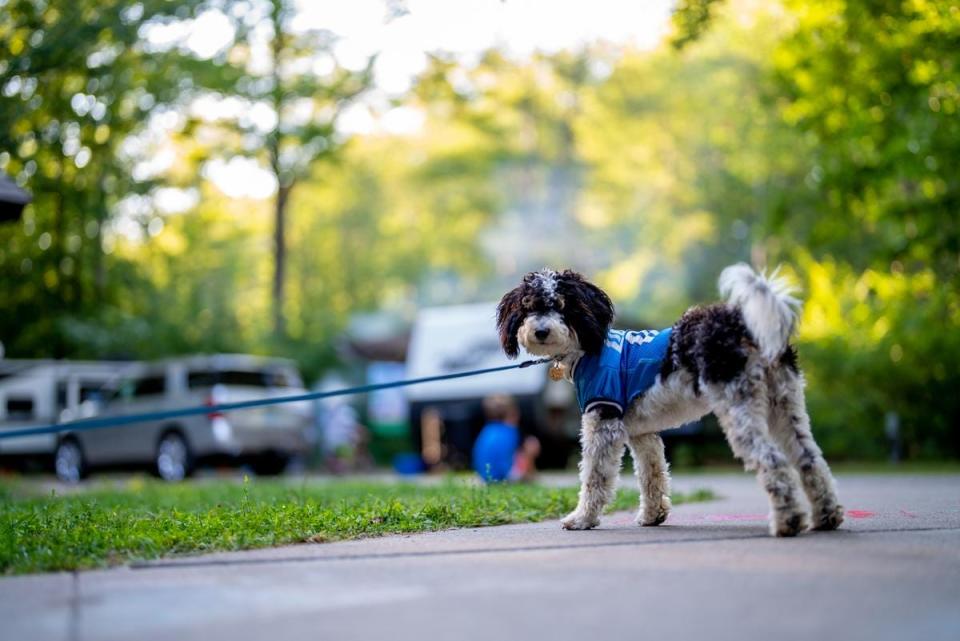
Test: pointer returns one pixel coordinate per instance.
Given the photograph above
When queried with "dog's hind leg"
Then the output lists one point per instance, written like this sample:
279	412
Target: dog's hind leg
742	411
790	427
653	476
602	441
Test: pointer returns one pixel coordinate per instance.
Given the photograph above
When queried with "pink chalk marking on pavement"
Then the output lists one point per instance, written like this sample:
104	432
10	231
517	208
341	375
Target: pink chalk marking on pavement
719	518
686	520
911	515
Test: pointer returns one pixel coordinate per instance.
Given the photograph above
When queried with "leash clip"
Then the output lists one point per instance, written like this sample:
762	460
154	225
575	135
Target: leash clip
531	363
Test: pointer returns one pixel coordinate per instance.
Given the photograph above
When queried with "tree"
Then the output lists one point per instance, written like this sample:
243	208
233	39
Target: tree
870	221
77	79
876	85
510	125
292	76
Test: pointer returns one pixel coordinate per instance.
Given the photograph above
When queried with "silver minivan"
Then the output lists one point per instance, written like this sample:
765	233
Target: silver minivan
35	393
264	437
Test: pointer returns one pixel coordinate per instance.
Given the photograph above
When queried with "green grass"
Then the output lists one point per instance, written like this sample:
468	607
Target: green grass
148	519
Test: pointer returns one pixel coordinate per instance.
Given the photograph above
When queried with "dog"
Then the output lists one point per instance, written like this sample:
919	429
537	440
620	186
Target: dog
733	359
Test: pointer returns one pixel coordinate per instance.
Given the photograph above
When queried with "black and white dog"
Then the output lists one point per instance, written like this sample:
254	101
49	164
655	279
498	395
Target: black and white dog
733	359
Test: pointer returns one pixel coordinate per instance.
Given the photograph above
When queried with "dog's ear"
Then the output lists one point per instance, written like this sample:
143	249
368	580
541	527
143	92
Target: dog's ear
587	309
510	315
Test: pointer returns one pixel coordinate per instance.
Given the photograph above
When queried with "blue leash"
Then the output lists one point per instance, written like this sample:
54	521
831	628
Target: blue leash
114	421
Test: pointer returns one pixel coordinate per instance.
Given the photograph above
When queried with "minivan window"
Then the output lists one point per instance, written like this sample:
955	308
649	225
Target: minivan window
150	386
20	409
118	391
284	378
88	390
91	390
241	379
61	396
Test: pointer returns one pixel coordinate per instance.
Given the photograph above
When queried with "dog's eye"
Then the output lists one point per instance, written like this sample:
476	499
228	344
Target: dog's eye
560	302
527	301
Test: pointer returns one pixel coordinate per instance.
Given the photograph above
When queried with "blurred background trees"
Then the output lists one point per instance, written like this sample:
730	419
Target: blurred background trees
818	135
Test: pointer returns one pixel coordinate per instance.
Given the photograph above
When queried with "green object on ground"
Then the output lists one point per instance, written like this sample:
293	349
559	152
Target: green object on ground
146	519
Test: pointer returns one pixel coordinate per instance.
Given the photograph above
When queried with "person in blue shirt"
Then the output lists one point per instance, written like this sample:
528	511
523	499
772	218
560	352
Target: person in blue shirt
499	454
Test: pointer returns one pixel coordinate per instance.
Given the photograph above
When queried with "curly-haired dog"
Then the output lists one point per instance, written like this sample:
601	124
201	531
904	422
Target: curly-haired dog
733	359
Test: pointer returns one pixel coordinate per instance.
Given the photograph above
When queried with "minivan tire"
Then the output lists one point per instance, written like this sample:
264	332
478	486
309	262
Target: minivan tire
69	461
270	464
173	460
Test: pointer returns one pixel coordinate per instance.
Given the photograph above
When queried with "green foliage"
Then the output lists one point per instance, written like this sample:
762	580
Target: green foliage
886	160
691	18
151	520
367	229
76	81
689	162
303	103
873	344
874	87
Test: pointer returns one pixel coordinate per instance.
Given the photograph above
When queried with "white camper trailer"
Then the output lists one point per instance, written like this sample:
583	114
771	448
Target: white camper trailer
452	339
42	392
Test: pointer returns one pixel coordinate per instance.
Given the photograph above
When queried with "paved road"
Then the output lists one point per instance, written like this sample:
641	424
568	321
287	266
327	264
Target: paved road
891	572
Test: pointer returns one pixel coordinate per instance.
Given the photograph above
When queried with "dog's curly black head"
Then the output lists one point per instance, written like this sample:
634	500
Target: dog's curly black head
554	313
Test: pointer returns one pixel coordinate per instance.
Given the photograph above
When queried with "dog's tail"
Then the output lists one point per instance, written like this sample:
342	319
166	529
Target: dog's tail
766	302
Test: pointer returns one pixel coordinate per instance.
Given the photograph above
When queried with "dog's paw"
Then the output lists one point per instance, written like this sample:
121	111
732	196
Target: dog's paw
578	521
652	515
789	523
828	517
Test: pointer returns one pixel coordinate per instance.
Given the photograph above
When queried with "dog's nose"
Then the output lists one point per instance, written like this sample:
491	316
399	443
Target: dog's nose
542	334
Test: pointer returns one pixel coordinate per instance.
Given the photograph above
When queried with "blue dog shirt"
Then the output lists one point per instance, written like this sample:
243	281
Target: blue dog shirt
625	368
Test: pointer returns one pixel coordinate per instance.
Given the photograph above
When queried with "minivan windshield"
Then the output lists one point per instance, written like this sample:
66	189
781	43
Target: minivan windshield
255	378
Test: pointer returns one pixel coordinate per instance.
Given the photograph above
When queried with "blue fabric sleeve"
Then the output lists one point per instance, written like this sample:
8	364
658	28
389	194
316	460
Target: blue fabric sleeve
597	384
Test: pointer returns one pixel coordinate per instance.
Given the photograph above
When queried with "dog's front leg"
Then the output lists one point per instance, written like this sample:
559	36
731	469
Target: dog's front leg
602	440
653	476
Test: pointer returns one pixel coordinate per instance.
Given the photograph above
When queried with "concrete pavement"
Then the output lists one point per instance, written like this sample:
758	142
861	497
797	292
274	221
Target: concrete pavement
891	572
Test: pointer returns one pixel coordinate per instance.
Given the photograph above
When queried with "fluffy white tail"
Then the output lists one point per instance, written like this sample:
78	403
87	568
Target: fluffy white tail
769	310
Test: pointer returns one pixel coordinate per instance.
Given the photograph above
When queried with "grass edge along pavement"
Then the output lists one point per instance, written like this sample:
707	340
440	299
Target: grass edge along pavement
148	519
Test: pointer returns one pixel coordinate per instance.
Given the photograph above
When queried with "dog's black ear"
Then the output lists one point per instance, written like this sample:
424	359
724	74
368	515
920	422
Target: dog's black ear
510	315
587	309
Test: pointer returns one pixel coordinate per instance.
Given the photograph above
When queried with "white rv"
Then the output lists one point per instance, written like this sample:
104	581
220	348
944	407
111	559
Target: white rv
452	339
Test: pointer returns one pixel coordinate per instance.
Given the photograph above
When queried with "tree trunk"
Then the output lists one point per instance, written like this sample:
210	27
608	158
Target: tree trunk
279	259
283	186
58	248
99	261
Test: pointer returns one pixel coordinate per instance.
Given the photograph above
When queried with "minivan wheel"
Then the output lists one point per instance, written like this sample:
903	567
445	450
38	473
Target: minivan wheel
68	461
173	461
270	464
